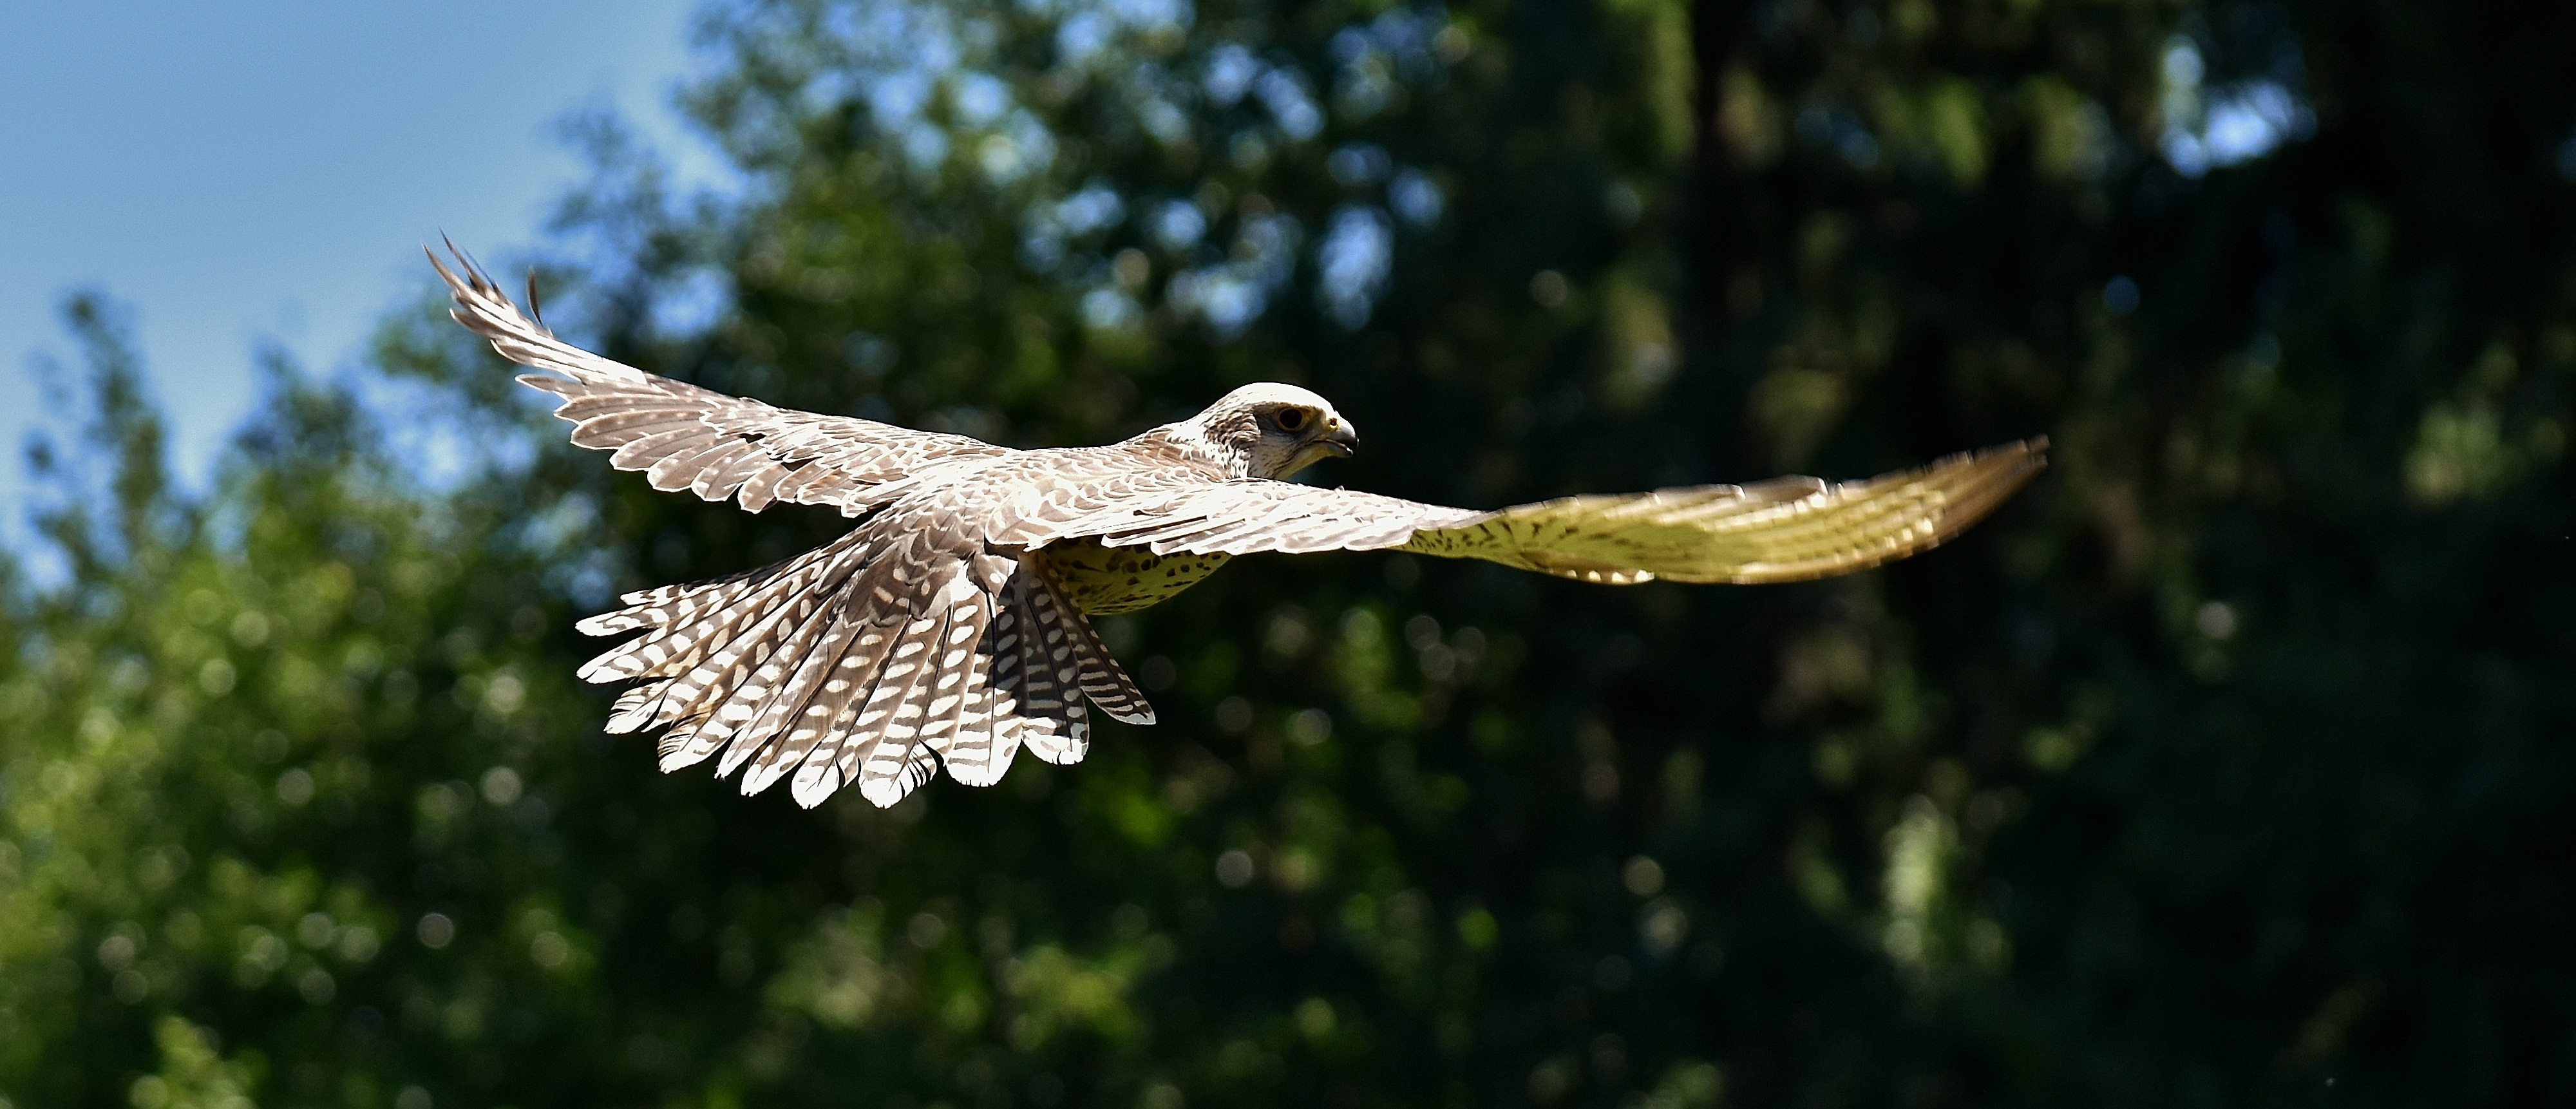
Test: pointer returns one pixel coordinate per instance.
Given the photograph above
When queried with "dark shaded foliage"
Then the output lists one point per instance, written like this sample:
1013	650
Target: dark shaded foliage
2228	765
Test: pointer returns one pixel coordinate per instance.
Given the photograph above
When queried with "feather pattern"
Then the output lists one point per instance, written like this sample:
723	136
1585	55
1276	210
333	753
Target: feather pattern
652	421
1057	728
951	624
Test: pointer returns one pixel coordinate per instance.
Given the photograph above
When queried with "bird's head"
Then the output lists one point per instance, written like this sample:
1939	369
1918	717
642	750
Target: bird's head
1273	430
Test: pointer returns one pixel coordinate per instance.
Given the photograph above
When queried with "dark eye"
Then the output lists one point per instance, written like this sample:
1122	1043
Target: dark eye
1291	419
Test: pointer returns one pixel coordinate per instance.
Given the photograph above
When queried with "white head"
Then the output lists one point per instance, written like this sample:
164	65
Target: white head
1269	430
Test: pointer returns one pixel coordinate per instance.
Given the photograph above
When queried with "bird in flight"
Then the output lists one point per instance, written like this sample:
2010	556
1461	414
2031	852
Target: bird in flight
950	626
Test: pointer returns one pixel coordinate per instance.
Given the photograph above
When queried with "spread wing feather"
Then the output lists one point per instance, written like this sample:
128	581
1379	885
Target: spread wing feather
874	751
817	765
1056	727
1093	671
685	437
967	749
711	637
965	733
798	715
1786	529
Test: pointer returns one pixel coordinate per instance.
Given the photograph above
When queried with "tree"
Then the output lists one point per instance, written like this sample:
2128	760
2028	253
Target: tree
2223	766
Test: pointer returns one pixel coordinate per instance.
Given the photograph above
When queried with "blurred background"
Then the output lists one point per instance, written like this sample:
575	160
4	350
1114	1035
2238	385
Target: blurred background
2228	764
210	165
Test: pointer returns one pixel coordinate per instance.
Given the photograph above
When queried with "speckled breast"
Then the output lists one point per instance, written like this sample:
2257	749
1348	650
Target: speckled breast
1102	580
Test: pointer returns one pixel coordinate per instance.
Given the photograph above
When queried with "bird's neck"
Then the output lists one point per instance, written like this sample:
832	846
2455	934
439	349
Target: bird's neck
1188	444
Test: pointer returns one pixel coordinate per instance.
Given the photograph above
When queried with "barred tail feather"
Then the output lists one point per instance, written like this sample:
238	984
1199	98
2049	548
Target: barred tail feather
869	664
799	715
1005	707
956	685
895	710
969	750
699	620
707	724
650	608
1057	728
1101	678
736	718
817	773
720	665
1097	674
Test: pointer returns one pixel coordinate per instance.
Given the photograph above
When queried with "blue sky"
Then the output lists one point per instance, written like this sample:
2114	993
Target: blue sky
245	172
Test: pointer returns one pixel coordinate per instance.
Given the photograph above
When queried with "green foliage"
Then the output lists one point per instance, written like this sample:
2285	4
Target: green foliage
2226	765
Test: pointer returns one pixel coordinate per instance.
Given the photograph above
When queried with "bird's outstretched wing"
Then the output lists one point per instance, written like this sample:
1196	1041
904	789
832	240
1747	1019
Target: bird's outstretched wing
1785	529
685	437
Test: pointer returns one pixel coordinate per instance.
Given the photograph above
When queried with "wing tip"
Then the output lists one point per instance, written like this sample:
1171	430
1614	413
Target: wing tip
1950	495
2016	462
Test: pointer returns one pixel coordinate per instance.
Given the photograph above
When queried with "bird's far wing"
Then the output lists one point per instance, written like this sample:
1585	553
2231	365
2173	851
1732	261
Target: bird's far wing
685	437
1785	529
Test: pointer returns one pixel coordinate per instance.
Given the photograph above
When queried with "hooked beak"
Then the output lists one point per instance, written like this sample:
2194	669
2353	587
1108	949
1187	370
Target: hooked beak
1342	438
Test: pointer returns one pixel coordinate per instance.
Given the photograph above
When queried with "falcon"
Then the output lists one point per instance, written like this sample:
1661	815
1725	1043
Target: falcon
950	627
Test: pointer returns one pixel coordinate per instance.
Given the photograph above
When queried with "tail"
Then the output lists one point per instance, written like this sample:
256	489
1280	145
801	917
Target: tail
870	661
